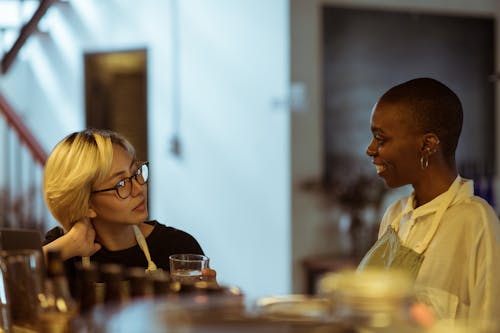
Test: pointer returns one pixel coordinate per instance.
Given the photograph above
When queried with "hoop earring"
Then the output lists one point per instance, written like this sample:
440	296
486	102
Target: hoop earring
424	162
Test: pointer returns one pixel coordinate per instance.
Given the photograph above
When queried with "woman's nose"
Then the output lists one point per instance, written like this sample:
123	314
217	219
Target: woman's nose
371	150
136	187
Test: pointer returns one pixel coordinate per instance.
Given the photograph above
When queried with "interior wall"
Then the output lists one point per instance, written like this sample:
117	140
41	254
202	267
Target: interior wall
312	234
230	183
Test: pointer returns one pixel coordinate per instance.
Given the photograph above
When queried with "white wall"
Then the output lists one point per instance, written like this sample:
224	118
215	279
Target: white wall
312	234
230	186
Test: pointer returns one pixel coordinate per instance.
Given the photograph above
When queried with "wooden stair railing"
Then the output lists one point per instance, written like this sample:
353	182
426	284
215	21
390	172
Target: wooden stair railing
23	158
22	131
29	28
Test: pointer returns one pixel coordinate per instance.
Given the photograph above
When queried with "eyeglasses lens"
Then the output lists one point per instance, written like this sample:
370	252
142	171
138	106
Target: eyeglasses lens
124	191
141	176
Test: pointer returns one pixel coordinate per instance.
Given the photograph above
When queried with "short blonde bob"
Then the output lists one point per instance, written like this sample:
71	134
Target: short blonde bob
76	163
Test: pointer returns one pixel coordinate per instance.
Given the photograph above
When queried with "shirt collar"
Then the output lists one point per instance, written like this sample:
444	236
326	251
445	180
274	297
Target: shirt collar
466	190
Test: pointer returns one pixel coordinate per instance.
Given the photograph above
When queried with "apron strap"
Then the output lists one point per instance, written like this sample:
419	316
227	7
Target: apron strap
424	243
86	261
144	247
141	241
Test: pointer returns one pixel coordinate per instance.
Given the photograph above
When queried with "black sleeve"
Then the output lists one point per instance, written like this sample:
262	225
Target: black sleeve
52	235
167	241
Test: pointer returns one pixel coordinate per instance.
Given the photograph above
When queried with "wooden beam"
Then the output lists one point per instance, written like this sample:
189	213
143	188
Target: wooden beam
29	28
23	132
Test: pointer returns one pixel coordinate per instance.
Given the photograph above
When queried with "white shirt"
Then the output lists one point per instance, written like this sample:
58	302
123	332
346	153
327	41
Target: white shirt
460	274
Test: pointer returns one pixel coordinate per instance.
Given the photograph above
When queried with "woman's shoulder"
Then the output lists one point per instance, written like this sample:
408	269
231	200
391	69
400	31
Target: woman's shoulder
165	230
476	209
172	237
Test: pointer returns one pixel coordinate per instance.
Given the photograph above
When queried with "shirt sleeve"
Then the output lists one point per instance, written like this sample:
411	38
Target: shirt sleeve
52	235
189	243
484	271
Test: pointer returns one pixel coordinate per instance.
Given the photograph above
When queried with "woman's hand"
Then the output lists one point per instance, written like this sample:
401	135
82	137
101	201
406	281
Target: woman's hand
422	315
78	241
208	274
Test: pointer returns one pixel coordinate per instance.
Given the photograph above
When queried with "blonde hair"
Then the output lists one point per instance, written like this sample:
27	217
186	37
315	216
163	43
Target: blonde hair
77	162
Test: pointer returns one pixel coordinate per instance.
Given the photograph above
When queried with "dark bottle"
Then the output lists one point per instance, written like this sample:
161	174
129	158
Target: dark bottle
114	291
85	293
140	284
111	295
57	307
86	279
161	283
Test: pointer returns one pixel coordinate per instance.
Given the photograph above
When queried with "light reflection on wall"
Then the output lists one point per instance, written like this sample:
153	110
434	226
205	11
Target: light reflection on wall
50	85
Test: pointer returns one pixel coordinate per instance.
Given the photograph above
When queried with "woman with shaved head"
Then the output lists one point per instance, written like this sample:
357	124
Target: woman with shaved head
444	235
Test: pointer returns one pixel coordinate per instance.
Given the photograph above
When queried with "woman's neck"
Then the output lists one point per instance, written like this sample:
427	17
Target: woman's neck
432	186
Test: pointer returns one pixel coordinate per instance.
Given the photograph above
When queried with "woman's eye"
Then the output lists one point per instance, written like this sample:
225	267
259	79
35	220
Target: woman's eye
121	183
379	140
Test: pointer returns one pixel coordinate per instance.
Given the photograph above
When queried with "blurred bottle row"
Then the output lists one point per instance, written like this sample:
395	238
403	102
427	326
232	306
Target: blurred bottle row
44	303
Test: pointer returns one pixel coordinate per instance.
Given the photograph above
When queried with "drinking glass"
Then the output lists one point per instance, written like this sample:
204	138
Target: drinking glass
23	274
186	268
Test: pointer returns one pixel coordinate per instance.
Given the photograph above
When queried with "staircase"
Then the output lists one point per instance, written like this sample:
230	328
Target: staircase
21	172
21	197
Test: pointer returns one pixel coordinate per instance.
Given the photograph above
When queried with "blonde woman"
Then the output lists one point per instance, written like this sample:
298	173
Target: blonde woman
97	190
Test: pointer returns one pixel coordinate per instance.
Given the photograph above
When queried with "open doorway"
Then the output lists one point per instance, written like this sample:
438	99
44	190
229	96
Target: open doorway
116	95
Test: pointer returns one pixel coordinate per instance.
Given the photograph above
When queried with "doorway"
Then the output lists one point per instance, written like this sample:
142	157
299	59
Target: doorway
116	95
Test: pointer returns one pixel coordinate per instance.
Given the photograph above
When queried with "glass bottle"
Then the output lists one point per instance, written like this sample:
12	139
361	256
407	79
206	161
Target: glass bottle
111	294
85	293
57	307
140	284
87	277
161	284
115	292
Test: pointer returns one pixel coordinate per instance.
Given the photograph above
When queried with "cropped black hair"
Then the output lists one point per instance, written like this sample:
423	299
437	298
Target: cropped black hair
435	108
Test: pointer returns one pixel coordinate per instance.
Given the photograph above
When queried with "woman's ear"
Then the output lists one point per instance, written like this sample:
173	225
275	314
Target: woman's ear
91	213
430	143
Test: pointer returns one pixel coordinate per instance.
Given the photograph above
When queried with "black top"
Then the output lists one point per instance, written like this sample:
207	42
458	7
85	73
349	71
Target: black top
162	242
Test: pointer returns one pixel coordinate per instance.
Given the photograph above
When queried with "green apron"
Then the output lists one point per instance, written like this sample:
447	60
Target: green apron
390	253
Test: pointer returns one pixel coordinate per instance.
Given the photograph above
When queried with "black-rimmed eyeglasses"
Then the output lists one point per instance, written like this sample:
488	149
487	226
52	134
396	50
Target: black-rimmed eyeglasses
124	186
